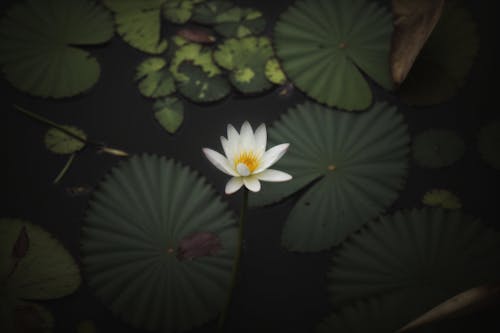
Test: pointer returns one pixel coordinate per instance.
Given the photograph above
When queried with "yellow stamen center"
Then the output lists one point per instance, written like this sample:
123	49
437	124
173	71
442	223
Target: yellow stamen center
249	159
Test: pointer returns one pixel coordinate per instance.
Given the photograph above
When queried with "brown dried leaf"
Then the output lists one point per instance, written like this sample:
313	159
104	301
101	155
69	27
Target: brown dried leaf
199	244
21	245
414	22
196	35
466	302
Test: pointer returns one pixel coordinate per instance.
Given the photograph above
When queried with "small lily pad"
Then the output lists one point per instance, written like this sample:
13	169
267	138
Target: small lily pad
437	148
208	11
59	142
170	113
39	45
179	11
47	271
274	73
489	143
246	60
195	54
156	80
199	86
441	198
240	22
139	23
446	59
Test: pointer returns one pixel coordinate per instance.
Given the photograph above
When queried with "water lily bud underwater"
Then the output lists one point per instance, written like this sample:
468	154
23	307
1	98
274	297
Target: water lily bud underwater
247	160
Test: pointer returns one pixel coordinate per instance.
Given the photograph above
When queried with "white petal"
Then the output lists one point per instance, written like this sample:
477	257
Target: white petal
252	183
247	140
233	185
272	156
271	175
260	140
228	149
219	161
243	169
233	139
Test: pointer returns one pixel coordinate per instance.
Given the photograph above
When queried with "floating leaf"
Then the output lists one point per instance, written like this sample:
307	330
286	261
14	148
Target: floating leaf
437	148
488	143
324	47
86	326
208	11
155	78
47	271
441	198
200	87
419	255
39	45
139	23
240	22
196	35
197	245
170	113
413	24
197	55
135	222
59	142
442	66
246	59
351	165
461	304
179	11
274	73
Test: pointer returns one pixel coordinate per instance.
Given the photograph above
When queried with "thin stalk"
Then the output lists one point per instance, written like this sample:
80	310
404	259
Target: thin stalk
64	169
234	274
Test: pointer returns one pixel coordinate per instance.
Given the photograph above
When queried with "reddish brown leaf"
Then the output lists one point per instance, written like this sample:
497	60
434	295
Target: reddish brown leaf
199	244
21	245
414	22
196	35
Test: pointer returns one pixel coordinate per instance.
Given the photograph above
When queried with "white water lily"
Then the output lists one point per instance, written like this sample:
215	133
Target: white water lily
247	160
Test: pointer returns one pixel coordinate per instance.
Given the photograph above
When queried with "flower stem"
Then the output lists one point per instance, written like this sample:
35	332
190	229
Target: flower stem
64	169
243	213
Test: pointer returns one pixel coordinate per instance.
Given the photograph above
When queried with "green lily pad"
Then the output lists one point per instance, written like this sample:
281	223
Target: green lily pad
200	87
137	220
445	61
47	270
437	148
139	23
195	54
208	11
39	45
441	198
246	60
170	113
416	255
324	46
351	167
156	80
59	142
274	73
488	143
240	22
179	11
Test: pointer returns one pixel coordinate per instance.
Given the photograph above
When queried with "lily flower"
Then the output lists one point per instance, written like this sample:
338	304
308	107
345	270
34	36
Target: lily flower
247	160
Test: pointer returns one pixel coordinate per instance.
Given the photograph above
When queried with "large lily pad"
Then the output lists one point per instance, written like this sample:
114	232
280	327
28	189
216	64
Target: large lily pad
139	23
47	270
351	165
240	22
136	223
442	66
326	45
39	45
200	87
155	78
489	143
246	60
425	256
437	148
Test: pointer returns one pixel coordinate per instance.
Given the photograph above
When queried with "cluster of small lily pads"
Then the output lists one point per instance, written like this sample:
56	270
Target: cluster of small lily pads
139	241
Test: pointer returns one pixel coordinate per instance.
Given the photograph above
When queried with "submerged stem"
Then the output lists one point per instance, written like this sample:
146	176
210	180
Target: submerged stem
64	169
234	274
